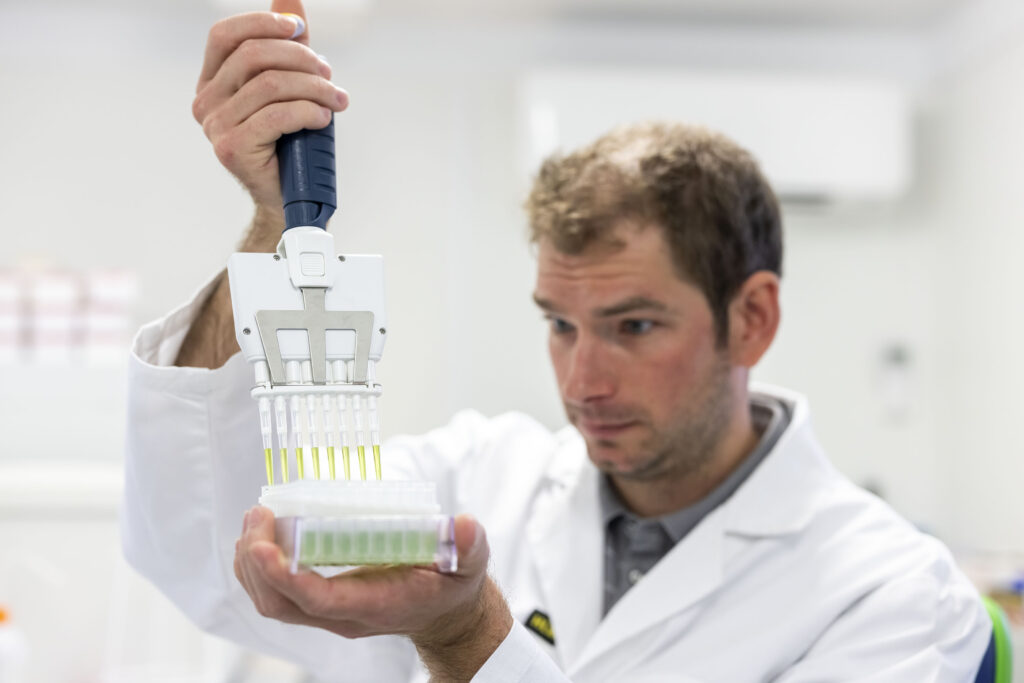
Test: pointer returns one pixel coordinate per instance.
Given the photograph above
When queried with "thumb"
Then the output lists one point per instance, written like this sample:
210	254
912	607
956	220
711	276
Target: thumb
471	544
292	7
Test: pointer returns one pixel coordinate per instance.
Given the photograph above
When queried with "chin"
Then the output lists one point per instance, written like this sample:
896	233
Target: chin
627	461
613	458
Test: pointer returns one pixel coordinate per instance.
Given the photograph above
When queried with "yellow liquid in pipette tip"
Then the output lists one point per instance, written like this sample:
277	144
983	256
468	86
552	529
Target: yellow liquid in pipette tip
362	462
298	463
269	455
316	462
284	465
376	460
330	460
345	462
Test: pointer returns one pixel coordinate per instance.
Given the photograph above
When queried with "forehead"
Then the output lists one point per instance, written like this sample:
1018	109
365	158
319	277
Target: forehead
638	262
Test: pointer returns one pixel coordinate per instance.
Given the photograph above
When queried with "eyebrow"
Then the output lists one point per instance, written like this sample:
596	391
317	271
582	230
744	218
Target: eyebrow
636	303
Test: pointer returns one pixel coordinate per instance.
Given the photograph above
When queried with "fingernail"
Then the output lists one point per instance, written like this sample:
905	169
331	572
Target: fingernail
325	67
245	521
300	25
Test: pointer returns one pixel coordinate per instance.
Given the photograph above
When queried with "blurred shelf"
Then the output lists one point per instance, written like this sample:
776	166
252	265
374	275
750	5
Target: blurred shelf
63	412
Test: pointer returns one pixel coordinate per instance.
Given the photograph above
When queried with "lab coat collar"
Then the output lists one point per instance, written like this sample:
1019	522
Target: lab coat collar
783	494
780	497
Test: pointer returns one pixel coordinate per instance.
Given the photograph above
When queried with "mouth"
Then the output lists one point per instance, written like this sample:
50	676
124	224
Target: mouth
604	430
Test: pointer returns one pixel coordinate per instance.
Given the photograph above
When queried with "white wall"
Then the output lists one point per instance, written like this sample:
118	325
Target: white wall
978	208
852	289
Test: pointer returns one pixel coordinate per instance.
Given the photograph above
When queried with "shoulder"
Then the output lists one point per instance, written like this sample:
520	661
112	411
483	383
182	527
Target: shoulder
890	589
866	579
849	542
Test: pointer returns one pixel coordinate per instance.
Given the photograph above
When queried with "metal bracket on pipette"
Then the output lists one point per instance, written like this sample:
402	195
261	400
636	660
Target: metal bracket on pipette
315	320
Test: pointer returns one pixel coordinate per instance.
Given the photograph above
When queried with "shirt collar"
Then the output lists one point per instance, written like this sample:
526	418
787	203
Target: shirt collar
770	417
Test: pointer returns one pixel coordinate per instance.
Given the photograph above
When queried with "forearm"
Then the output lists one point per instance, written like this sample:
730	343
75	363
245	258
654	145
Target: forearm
457	653
211	338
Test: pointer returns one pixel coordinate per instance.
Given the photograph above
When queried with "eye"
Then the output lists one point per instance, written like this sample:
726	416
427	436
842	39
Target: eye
636	327
558	326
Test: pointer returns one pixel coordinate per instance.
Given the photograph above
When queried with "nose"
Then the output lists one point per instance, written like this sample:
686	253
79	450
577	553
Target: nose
589	372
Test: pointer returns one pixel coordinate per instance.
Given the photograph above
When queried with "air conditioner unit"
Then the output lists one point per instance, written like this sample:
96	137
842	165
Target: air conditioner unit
819	140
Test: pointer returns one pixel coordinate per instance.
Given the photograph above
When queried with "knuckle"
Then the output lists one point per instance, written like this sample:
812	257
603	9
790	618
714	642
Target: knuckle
219	32
271	82
210	128
224	148
199	107
273	117
250	50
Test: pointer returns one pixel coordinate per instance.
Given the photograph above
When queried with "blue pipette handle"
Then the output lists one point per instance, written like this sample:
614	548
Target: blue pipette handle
305	161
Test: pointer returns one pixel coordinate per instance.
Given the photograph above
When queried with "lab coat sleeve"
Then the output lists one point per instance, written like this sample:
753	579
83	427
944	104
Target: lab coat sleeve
519	660
189	477
920	628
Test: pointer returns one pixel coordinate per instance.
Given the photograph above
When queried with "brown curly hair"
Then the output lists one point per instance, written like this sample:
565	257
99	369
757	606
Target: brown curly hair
720	216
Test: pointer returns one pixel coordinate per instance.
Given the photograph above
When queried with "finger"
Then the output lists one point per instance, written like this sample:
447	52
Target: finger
272	87
471	544
252	58
238	545
270	571
275	120
293	7
227	34
308	590
268	602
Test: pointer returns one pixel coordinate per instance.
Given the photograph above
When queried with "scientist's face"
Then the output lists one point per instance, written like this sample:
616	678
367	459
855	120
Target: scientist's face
634	352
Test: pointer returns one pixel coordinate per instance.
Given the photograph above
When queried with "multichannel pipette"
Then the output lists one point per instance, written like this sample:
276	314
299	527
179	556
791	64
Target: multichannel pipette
312	324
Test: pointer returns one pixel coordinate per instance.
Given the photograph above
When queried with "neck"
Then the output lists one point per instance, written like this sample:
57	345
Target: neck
675	490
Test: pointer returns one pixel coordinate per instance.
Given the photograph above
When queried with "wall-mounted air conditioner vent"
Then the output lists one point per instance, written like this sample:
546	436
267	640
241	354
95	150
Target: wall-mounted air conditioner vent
819	140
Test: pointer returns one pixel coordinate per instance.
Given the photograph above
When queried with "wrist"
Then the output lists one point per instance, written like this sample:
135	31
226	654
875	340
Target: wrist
455	647
265	231
210	340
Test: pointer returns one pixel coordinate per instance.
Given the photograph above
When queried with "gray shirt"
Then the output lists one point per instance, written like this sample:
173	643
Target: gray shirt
633	544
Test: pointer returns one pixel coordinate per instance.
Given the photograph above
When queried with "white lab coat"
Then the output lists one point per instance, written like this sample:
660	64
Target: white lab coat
799	576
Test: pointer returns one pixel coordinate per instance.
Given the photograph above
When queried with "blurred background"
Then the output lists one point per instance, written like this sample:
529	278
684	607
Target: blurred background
891	130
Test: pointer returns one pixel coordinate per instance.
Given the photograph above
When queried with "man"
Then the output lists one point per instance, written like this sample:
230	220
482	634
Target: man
684	528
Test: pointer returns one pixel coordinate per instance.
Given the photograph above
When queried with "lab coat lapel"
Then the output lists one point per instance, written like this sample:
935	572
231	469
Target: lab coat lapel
688	573
566	541
779	498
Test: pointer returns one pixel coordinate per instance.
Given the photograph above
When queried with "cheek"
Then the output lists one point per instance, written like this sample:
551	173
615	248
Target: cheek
670	377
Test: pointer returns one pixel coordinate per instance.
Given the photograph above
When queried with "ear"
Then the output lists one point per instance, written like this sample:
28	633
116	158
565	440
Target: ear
753	318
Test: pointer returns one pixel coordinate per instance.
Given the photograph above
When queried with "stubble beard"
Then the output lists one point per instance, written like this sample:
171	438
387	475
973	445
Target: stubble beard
684	446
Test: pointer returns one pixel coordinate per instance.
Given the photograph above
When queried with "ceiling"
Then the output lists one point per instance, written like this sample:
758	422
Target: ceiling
875	14
861	13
